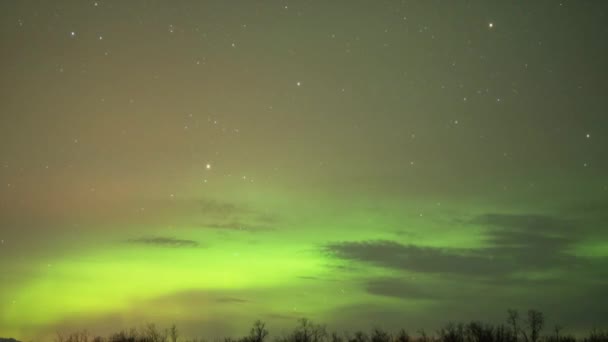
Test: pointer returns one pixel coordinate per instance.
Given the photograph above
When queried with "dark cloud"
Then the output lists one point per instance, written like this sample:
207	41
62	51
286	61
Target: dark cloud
529	223
293	317
344	268
227	216
531	240
587	209
234	226
231	300
409	257
515	243
164	242
390	287
219	208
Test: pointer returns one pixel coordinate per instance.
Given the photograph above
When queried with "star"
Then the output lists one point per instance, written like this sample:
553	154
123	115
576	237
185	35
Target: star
298	83
208	166
588	136
73	34
491	25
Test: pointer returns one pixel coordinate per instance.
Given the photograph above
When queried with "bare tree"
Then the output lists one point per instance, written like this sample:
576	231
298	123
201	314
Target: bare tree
173	333
451	333
423	336
258	332
360	336
479	332
309	332
335	337
402	336
503	333
535	325
59	337
78	336
513	321
152	334
557	330
379	335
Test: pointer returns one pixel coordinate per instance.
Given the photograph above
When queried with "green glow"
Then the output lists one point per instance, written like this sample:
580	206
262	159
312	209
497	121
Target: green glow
113	275
388	163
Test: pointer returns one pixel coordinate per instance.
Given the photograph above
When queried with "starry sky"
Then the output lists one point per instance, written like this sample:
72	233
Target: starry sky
359	163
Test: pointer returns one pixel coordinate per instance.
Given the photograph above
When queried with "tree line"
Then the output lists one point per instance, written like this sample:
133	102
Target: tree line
529	328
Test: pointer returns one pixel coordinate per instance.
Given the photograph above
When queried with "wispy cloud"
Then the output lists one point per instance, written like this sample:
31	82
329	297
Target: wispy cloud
164	242
399	288
515	243
231	300
235	226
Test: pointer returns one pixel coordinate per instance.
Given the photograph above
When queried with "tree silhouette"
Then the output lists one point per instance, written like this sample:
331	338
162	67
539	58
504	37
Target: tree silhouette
535	323
423	336
402	336
513	321
479	332
173	333
307	331
335	337
258	332
503	333
451	333
379	335
360	336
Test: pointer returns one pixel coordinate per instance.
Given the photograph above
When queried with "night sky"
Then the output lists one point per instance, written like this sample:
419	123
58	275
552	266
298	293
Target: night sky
359	163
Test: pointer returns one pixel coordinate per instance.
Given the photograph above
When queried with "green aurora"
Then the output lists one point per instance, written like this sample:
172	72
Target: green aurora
357	163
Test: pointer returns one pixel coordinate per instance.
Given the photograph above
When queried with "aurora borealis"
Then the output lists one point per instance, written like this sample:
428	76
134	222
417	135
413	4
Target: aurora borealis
359	163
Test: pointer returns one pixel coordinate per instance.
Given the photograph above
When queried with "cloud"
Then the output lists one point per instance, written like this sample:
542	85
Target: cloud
227	216
218	208
231	300
527	222
235	226
164	242
533	240
398	288
391	254
586	209
286	316
514	243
